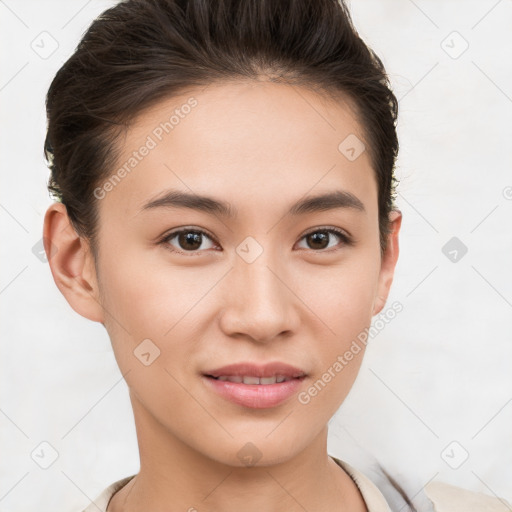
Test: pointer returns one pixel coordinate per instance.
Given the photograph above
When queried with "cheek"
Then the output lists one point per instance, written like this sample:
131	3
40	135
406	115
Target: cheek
343	296
144	295
343	307
146	324
147	300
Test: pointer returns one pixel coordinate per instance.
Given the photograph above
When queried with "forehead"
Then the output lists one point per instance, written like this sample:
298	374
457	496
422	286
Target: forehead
253	142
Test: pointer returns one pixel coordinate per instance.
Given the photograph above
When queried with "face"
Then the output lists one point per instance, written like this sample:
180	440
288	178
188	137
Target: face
186	286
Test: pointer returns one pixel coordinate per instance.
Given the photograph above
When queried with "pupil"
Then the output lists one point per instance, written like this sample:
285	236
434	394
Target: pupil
189	238
319	236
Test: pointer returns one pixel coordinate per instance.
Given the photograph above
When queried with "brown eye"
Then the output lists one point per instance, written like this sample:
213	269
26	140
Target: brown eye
318	240
321	238
188	240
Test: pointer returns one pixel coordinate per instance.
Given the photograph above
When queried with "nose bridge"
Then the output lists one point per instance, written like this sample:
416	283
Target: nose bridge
261	287
259	303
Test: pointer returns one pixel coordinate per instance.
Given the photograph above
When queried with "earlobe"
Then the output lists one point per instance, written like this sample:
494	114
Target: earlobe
71	263
388	262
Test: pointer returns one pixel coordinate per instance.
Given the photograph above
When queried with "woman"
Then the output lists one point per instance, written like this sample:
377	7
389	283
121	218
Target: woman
225	208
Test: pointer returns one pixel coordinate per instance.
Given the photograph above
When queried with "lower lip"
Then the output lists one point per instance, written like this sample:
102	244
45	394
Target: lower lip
256	396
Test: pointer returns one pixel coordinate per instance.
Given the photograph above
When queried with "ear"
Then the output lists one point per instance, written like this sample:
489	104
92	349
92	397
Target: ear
388	262
71	263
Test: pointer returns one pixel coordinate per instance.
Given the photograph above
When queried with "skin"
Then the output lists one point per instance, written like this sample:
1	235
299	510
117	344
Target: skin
261	146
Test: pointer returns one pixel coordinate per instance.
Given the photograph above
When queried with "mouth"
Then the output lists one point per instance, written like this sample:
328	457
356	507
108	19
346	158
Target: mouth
249	372
256	387
258	381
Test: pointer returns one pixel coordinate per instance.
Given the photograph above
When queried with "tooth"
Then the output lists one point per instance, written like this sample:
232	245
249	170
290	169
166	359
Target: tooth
251	380
254	380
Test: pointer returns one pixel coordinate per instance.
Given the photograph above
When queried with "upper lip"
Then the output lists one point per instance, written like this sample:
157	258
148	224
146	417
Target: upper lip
253	370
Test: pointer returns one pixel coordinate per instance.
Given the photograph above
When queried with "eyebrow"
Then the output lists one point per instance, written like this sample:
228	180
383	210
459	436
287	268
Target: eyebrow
310	204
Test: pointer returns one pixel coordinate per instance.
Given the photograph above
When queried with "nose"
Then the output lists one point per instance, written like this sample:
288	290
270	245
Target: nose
260	304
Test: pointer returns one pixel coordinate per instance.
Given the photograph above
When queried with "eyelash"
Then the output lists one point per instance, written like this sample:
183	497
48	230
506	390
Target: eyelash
346	240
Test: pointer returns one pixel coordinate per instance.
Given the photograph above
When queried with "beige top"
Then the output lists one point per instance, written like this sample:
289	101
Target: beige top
444	497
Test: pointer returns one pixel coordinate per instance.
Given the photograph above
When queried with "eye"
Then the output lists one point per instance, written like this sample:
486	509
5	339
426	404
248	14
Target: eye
188	240
192	240
317	239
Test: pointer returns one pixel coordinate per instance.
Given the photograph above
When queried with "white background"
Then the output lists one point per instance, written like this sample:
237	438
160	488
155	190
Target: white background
439	372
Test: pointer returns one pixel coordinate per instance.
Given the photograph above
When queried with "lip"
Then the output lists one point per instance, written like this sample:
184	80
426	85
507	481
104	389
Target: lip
255	396
254	370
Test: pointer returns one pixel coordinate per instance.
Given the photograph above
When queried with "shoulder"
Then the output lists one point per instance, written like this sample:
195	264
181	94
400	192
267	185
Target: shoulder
380	495
373	498
101	502
444	497
449	498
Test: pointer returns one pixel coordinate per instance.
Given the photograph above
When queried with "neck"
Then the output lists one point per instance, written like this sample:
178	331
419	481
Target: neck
174	473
